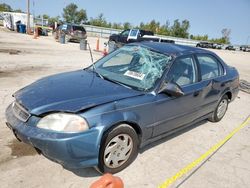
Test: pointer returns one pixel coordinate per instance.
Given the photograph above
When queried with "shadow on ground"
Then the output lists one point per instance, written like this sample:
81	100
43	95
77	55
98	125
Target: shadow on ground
20	149
170	136
85	172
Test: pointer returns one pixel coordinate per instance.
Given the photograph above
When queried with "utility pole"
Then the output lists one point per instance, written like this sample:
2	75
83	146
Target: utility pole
247	39
28	16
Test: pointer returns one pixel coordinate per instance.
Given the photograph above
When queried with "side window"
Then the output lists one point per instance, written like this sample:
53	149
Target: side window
183	71
209	66
125	33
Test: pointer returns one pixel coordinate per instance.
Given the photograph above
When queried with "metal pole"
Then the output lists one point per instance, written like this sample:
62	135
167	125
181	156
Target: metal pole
28	16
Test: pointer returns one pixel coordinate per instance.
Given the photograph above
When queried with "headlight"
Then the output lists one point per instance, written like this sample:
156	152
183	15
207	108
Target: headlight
63	122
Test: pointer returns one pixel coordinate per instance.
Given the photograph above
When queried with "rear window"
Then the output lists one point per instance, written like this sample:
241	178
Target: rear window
78	28
133	32
209	66
64	27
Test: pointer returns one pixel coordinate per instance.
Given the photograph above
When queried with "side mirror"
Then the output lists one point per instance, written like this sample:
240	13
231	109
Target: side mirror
171	89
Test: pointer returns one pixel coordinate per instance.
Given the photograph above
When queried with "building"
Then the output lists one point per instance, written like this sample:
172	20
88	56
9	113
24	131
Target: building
10	19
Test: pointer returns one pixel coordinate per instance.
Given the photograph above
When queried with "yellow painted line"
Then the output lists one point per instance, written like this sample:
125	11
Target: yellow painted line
196	162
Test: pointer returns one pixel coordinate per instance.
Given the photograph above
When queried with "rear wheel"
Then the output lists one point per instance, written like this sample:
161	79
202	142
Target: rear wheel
119	149
220	110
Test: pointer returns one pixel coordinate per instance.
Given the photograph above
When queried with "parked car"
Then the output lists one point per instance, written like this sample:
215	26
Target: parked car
230	47
130	35
136	35
217	46
205	45
73	32
102	115
245	48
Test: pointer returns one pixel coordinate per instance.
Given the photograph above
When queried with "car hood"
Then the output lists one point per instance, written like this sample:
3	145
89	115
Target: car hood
70	92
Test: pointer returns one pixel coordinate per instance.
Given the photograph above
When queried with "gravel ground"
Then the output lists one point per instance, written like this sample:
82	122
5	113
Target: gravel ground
20	166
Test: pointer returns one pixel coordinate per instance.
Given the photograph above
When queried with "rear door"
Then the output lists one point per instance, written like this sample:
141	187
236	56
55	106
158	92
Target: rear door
212	77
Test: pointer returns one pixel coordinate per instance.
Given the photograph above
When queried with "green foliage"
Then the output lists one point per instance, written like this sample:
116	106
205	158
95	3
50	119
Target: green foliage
117	26
177	29
199	37
100	21
5	7
180	29
225	39
221	40
127	25
72	15
18	10
51	20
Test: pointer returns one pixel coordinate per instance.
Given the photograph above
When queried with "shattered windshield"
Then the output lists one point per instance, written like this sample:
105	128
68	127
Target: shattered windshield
133	66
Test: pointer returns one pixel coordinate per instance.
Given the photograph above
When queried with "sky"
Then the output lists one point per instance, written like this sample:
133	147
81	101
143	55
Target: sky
205	16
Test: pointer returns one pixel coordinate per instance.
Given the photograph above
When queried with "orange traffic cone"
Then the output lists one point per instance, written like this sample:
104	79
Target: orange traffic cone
108	181
35	33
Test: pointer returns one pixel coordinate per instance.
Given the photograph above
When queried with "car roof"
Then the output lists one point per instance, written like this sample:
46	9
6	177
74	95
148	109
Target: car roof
170	48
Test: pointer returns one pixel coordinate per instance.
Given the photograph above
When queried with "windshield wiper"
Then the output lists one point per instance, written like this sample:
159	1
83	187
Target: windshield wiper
97	73
89	69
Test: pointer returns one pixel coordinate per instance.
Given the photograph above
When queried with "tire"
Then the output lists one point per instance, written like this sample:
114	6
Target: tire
220	110
118	150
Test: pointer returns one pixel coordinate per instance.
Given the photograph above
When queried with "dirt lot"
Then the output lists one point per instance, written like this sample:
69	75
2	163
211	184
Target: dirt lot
21	166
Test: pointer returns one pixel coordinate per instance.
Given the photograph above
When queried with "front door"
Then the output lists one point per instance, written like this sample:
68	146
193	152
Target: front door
124	36
173	112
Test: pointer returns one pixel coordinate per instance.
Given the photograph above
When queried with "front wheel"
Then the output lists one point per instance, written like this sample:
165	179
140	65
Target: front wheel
119	149
220	110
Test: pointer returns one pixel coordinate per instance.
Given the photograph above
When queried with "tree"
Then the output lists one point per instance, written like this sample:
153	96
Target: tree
164	30
117	26
18	10
199	37
180	29
72	15
100	21
52	20
81	16
127	25
5	7
226	34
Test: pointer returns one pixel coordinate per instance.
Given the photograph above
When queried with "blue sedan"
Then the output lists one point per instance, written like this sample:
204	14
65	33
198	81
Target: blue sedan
100	116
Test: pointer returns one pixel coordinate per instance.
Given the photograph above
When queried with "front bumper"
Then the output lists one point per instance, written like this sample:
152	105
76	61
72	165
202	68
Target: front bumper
72	150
